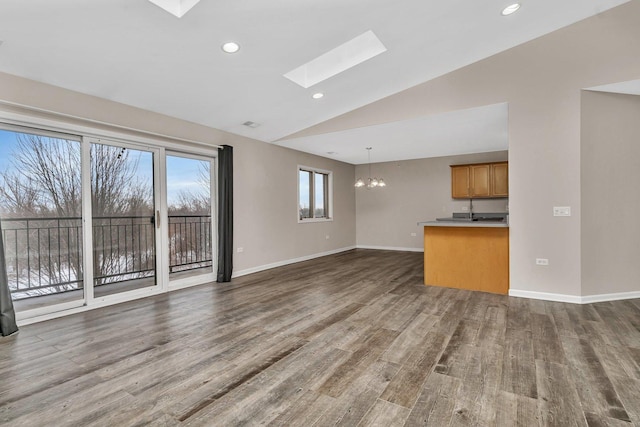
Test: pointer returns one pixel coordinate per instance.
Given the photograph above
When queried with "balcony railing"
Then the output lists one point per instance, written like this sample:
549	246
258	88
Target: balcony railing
44	255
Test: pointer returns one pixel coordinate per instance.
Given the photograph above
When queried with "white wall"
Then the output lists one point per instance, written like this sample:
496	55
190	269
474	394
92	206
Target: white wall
265	176
610	160
417	190
541	80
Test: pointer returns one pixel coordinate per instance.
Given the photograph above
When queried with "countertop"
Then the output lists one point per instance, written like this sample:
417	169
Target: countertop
495	224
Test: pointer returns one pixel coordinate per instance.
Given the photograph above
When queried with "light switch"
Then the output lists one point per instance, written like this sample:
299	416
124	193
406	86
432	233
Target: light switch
561	211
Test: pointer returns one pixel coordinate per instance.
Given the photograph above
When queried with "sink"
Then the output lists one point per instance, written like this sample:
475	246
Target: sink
457	219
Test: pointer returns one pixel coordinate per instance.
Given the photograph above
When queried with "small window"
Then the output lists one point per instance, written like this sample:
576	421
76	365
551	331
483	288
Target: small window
314	194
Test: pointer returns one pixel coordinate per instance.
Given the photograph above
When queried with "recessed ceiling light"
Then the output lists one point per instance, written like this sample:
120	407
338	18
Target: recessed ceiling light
510	9
317	95
251	124
332	152
231	47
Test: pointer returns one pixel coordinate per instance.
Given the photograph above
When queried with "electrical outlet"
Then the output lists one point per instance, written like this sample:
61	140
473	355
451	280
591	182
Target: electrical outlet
542	261
240	250
465	208
413	234
561	211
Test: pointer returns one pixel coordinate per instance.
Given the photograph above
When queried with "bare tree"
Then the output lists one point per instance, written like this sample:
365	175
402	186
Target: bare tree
44	182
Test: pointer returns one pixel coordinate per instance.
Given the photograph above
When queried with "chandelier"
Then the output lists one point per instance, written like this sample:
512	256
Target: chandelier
370	182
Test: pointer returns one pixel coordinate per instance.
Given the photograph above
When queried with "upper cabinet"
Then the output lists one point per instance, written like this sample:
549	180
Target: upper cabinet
485	180
500	179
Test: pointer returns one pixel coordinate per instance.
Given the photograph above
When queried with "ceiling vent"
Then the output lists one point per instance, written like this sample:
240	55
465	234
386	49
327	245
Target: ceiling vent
251	124
176	7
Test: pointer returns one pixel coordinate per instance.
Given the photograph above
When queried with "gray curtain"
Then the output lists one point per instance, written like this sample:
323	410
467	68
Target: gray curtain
225	213
7	314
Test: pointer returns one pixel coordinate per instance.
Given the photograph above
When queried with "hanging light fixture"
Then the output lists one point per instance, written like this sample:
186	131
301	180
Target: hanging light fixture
370	182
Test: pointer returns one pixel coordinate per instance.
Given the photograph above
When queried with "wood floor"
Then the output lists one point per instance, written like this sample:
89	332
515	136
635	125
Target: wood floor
350	339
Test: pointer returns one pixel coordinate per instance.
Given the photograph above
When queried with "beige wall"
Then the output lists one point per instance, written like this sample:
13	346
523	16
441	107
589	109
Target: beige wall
265	185
541	80
417	190
610	160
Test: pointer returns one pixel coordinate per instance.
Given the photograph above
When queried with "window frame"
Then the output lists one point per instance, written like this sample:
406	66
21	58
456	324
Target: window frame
87	131
328	194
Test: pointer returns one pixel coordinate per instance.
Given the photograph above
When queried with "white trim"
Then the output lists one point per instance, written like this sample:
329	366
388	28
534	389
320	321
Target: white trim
24	317
309	220
574	299
390	248
189	282
289	261
588	299
329	202
98	302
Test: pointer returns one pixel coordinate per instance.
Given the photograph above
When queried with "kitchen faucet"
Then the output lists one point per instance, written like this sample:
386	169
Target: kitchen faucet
470	208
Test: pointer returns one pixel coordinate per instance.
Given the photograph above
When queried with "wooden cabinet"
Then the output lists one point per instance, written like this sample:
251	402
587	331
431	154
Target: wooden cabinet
475	258
483	180
460	181
500	179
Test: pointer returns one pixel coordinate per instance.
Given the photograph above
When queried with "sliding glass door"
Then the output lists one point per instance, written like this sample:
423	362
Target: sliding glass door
124	218
40	213
190	220
90	222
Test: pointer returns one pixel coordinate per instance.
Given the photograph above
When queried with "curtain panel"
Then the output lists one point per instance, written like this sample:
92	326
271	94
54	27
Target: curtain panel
7	313
225	213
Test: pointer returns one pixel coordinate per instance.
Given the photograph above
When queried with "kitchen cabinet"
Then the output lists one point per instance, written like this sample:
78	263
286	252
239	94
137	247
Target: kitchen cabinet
474	258
483	180
500	179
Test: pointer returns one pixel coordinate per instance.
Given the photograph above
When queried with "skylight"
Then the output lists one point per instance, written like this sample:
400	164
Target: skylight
343	57
175	7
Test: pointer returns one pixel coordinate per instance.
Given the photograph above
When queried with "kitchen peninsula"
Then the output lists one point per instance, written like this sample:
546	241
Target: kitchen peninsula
467	253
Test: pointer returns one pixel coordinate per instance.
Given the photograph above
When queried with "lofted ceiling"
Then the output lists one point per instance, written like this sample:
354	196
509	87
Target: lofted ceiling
133	52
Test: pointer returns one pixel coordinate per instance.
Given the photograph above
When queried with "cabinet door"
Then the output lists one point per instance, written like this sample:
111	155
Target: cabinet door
460	183
480	180
500	179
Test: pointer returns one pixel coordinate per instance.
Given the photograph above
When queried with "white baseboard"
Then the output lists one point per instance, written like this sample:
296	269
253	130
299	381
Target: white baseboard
288	261
390	248
610	297
574	299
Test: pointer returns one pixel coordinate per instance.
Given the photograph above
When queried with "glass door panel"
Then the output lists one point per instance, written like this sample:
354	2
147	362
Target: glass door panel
189	212
124	219
40	213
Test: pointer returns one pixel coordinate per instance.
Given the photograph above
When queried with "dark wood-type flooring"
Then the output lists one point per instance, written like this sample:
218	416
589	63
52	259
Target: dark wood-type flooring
349	339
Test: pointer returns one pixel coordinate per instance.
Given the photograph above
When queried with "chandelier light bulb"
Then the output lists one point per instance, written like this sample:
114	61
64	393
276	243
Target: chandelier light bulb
371	182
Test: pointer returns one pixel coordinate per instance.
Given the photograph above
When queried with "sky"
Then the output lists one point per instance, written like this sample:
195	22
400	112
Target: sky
183	174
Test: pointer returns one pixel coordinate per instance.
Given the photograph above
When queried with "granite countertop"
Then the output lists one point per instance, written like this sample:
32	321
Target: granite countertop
480	220
476	224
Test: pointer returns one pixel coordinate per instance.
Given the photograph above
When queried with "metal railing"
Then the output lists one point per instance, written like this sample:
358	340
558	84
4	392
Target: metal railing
44	255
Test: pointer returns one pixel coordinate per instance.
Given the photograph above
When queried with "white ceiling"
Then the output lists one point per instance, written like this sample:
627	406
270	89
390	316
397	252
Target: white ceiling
132	51
459	132
631	87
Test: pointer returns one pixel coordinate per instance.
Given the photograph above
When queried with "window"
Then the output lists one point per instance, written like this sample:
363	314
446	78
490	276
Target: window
90	221
314	194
